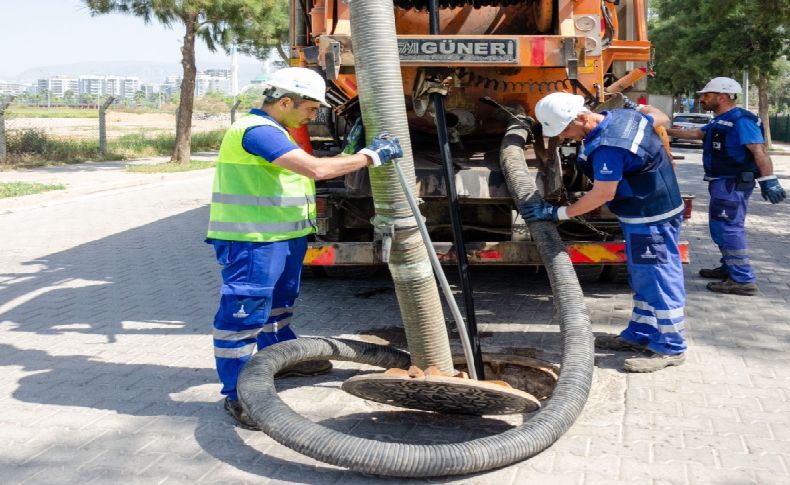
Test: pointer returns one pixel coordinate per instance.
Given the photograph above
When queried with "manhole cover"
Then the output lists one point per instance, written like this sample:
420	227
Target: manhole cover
442	394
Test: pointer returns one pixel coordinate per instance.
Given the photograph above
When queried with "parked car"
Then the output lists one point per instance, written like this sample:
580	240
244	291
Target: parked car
689	121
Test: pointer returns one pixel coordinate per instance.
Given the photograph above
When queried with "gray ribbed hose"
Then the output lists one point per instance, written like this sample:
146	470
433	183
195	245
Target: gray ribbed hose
256	383
383	106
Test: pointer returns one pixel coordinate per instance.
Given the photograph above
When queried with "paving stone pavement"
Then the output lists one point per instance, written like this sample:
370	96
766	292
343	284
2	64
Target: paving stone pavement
107	294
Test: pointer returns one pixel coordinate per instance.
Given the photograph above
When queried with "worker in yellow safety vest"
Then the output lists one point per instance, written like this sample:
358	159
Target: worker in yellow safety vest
262	210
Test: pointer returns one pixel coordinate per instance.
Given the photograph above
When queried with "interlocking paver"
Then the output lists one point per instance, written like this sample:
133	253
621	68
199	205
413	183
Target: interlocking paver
107	294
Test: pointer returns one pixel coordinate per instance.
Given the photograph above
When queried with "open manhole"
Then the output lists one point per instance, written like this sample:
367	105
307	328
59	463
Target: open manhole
514	384
534	376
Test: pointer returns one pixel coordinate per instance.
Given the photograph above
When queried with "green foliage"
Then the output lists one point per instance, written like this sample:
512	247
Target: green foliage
250	24
16	189
695	41
254	25
16	111
35	147
779	87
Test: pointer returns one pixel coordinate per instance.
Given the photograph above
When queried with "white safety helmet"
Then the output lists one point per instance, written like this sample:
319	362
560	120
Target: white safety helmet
722	85
298	80
557	110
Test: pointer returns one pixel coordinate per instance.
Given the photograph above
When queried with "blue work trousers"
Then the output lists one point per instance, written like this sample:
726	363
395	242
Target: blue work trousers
726	219
260	283
655	274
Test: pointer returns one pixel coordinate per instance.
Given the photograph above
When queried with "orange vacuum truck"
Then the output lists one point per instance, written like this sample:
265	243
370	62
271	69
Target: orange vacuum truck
487	55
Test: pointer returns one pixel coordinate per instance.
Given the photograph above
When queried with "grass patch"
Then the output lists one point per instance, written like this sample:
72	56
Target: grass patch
58	112
15	189
170	167
31	148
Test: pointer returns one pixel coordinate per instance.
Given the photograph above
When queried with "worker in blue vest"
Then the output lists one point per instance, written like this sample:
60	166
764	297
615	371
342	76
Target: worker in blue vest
632	173
262	210
734	158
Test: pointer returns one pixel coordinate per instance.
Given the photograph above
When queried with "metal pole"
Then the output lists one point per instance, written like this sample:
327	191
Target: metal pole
455	212
463	332
233	109
3	148
745	89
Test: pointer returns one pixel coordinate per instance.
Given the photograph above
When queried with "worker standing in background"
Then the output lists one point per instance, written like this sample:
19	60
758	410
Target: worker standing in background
262	209
632	173
734	157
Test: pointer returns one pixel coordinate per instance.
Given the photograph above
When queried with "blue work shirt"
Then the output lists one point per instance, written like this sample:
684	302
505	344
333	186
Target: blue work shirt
266	141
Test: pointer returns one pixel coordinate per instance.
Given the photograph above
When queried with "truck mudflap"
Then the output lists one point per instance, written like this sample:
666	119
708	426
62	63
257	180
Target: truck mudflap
490	253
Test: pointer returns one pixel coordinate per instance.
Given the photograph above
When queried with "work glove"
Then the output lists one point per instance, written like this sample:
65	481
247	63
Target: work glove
542	211
771	190
382	149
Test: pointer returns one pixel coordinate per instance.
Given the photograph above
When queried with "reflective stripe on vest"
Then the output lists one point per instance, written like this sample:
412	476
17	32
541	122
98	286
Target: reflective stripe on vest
255	200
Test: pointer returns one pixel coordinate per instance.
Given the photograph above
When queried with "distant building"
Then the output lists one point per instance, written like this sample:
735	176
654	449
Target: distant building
218	73
171	86
148	89
92	85
58	85
212	81
120	87
7	88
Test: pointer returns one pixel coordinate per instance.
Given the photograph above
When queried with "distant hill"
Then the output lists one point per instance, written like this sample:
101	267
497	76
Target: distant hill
151	72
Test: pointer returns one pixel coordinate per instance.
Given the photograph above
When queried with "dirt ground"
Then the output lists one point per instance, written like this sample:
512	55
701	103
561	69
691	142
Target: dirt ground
118	124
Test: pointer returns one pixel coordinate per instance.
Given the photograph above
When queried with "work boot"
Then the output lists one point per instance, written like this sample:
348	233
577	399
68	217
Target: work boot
719	273
652	362
305	369
733	287
237	412
609	341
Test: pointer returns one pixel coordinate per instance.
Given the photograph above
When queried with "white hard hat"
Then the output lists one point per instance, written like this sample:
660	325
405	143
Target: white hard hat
722	85
557	110
299	80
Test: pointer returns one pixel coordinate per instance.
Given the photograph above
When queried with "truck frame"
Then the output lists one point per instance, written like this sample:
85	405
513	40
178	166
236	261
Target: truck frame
514	52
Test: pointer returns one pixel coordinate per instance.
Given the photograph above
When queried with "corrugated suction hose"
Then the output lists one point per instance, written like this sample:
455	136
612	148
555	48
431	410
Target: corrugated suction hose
256	383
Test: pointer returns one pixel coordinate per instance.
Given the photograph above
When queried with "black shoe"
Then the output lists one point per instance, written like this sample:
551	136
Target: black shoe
732	287
719	273
305	369
652	362
237	412
610	341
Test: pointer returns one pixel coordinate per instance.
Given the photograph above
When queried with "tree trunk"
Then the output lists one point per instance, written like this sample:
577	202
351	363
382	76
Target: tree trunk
183	149
762	106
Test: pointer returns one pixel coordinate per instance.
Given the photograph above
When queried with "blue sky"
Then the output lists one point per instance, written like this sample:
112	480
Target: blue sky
38	33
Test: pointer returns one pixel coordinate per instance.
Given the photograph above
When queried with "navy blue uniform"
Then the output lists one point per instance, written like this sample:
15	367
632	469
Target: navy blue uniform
625	148
725	157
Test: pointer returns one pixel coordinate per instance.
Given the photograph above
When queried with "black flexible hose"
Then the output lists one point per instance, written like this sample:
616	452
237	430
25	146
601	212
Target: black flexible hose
259	396
256	382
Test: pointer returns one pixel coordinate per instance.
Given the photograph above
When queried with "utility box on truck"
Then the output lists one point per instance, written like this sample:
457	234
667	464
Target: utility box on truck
512	52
